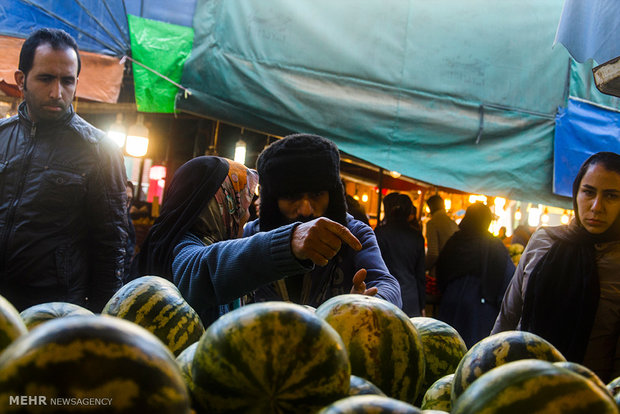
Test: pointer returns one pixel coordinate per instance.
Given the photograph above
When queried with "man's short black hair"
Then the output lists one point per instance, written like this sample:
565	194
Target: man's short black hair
56	38
435	202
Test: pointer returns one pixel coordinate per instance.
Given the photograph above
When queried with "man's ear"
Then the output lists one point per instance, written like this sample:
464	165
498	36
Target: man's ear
19	79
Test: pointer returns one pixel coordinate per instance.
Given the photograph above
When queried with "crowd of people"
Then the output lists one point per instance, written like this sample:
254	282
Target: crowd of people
66	232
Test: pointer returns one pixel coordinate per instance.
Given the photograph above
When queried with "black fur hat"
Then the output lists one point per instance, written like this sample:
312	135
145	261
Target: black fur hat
296	164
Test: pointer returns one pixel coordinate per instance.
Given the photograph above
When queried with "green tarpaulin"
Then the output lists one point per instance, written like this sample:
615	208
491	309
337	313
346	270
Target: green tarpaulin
163	48
461	94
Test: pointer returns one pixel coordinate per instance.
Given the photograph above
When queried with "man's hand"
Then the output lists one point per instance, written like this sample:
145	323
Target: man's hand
320	239
359	286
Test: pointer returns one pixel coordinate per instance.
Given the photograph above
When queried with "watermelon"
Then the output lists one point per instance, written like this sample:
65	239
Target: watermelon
499	349
443	348
533	386
270	357
184	359
437	396
157	305
369	404
115	365
37	314
614	386
11	324
361	386
383	344
586	372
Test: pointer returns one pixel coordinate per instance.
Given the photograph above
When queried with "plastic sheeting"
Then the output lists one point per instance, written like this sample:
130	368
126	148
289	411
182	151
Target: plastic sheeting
97	25
162	47
589	29
459	94
582	129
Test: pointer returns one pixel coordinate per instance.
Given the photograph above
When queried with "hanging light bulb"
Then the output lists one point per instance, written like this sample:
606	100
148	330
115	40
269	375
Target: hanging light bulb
565	217
518	214
364	198
240	148
544	219
117	131
137	138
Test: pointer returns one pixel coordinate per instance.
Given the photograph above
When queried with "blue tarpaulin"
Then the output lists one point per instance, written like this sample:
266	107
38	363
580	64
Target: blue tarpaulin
582	129
589	29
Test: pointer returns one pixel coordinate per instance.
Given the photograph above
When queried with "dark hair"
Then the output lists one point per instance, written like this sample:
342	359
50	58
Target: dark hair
399	210
435	202
56	38
609	160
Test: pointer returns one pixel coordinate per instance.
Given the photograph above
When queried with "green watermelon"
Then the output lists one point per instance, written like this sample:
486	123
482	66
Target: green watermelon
115	365
499	349
586	372
184	359
37	314
11	324
157	305
369	404
533	386
437	396
270	357
443	348
361	386
383	344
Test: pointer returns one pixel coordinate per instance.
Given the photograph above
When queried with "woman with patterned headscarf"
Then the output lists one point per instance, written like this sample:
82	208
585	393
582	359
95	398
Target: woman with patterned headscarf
567	285
195	242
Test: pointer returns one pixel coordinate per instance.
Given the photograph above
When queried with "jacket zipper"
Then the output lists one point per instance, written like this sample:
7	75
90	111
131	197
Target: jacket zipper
20	188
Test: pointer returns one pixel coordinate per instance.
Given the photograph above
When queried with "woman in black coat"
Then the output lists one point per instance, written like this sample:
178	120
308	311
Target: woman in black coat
402	249
473	271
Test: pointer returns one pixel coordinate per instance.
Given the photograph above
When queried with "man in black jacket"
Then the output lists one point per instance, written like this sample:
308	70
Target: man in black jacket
63	225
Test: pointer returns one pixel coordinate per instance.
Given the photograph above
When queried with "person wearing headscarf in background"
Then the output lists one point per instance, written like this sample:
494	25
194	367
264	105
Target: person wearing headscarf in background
566	288
402	249
195	242
473	271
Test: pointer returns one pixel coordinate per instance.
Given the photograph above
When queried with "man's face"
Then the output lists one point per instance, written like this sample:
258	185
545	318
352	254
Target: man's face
50	85
304	206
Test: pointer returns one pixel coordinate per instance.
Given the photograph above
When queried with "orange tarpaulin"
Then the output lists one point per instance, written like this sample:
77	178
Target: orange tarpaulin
100	78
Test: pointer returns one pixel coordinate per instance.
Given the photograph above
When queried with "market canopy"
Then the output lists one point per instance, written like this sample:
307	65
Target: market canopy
460	94
457	93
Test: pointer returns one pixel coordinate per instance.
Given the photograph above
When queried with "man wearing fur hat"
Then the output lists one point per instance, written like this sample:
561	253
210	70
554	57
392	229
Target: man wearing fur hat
299	178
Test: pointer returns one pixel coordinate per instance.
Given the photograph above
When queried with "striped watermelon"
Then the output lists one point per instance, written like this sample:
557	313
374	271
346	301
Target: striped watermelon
584	371
361	386
383	344
270	357
499	349
437	396
443	348
184	359
157	305
11	324
533	386
614	388
369	404
37	314
92	357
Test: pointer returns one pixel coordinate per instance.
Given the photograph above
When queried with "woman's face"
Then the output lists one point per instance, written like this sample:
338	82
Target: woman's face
598	199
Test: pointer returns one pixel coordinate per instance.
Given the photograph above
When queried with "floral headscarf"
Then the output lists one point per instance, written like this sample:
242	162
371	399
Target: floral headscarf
224	215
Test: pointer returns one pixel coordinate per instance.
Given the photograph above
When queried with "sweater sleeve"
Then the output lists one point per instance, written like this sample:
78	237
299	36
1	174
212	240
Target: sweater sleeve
369	258
213	275
509	317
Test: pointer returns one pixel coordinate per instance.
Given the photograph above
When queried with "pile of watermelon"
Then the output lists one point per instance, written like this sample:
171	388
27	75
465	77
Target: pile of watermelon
148	352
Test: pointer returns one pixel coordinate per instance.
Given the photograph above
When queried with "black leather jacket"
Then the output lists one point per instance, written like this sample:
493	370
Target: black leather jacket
63	225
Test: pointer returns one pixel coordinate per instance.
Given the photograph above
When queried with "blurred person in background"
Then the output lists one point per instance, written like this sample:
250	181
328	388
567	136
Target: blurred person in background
402	248
473	271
